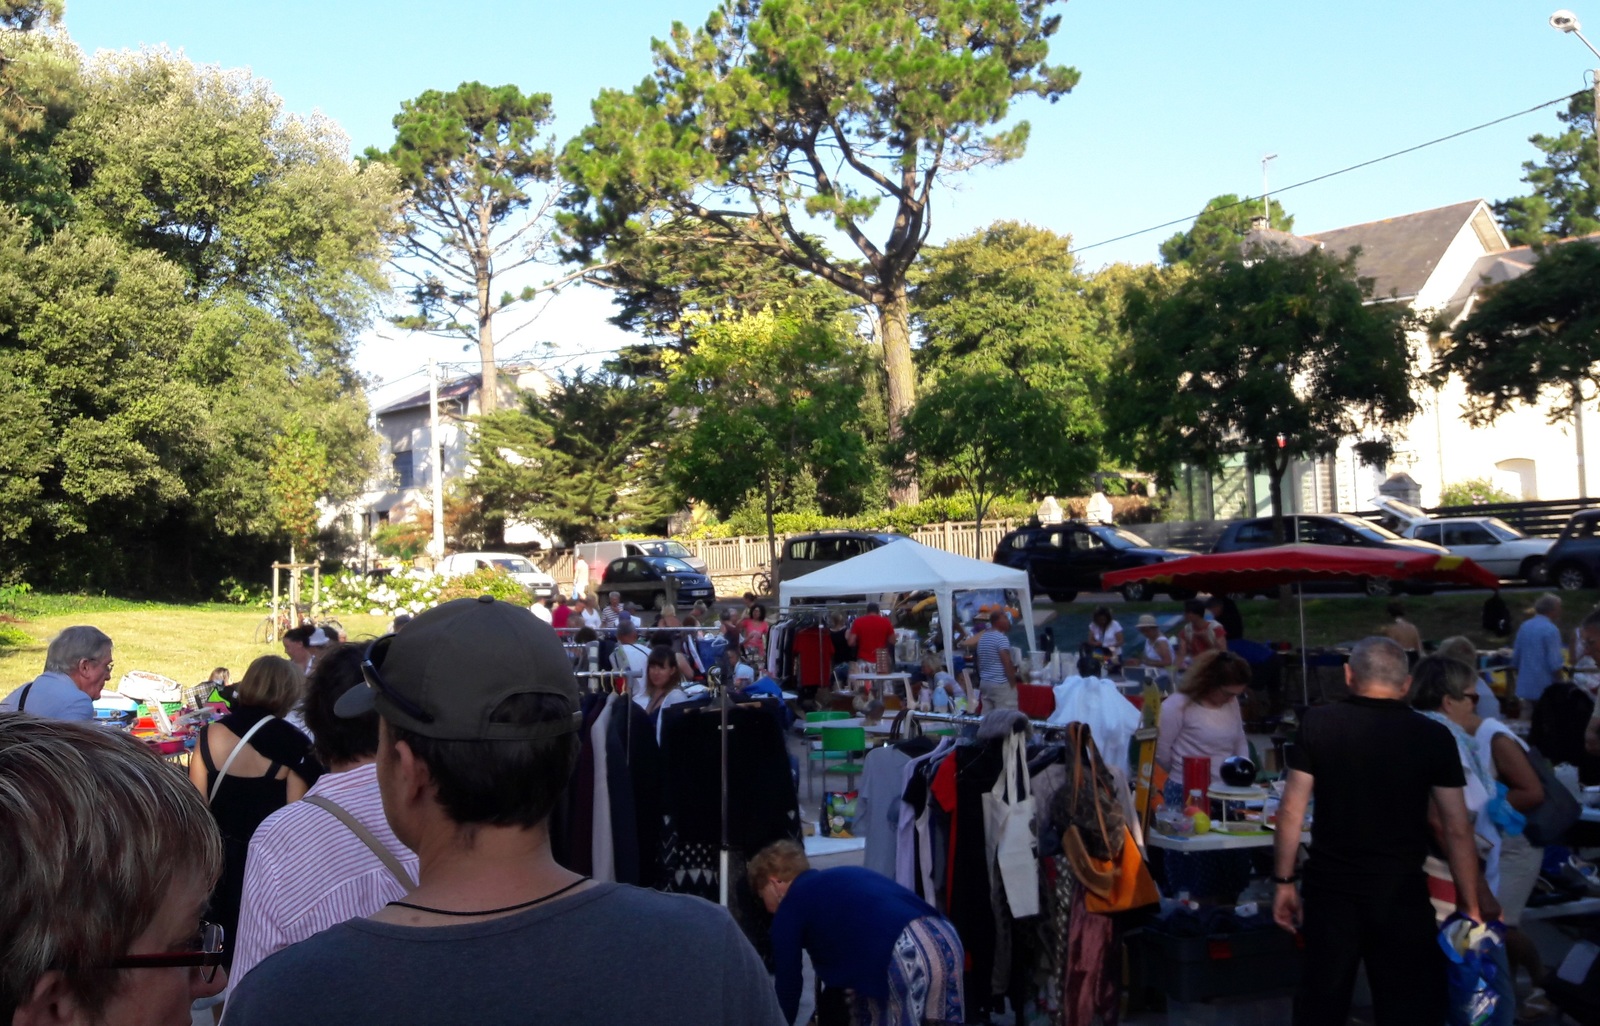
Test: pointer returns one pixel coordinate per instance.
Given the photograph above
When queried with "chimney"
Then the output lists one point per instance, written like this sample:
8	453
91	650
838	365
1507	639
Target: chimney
1258	223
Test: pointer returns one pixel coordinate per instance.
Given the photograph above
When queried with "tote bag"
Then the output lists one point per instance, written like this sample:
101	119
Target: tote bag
1008	812
1549	821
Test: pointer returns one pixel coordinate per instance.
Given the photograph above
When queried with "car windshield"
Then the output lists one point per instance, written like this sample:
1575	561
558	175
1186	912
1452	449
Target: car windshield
514	565
663	548
672	566
1366	528
1502	530
1117	538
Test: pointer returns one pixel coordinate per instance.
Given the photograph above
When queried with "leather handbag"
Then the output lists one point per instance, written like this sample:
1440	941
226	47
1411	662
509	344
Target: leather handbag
1102	856
1549	821
1132	886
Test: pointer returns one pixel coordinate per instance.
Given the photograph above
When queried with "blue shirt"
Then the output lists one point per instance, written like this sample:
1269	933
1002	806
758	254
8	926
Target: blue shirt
848	920
52	695
1536	654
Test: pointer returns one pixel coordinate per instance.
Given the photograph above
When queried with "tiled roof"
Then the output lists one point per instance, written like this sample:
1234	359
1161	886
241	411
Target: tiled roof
1399	253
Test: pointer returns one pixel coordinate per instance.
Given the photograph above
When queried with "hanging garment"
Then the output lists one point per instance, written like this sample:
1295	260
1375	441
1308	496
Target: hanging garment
600	831
879	803
913	868
1089	973
633	776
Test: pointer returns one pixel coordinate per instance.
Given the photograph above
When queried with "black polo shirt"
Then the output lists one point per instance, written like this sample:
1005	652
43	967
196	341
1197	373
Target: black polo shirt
1374	763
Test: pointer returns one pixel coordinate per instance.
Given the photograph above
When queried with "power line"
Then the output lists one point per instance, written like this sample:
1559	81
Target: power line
1331	174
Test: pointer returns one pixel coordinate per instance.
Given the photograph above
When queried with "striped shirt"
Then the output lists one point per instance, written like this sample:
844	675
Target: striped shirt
307	871
991	643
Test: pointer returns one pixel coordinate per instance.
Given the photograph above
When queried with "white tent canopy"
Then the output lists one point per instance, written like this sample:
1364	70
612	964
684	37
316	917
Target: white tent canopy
905	566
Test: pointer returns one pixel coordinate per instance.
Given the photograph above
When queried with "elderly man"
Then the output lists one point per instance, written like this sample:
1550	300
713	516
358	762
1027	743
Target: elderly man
477	739
630	656
1536	653
1378	770
76	667
997	674
614	613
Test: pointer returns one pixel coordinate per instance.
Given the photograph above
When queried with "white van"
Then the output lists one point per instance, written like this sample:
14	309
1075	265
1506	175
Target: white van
539	583
600	554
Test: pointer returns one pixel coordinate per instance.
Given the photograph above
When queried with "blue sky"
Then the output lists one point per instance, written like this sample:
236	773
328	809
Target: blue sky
1179	101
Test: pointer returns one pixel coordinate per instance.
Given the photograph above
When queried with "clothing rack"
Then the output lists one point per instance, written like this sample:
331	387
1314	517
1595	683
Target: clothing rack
972	720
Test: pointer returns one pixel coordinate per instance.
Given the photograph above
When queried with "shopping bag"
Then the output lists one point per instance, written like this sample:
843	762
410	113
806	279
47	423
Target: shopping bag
839	813
1132	885
1549	821
1008	813
1471	971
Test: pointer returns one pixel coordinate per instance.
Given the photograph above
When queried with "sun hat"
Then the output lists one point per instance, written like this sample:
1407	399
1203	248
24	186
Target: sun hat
445	675
1146	620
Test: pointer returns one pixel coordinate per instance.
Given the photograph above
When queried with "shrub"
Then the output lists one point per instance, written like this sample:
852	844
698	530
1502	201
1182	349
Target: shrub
12	636
488	580
1477	491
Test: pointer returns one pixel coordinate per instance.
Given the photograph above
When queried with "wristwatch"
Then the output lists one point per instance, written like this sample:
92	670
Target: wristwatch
1290	880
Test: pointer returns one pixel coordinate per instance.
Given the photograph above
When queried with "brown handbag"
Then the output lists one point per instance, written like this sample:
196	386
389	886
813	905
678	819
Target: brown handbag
1113	884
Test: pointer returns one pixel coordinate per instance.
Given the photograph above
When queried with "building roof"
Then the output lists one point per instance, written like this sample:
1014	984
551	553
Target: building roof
458	390
1494	268
1271	239
1400	253
461	390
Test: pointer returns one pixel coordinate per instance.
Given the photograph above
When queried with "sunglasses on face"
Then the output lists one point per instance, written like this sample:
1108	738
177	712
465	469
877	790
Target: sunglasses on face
376	653
203	952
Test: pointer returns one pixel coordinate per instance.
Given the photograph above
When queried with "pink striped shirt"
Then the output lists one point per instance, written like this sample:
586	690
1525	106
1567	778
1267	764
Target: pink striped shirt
307	871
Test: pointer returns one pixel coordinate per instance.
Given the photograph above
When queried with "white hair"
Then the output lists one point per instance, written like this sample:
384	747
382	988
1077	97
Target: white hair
73	645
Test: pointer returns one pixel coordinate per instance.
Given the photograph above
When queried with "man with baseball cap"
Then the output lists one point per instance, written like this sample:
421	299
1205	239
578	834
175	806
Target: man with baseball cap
478	735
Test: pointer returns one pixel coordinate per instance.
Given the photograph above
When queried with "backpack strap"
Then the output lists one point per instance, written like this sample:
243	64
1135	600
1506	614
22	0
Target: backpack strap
385	856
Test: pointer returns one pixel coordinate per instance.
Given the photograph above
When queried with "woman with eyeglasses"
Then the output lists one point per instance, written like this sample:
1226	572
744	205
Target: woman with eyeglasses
250	764
108	859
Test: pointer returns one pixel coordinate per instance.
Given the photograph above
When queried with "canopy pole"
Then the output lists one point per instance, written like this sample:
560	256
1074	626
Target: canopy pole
1305	677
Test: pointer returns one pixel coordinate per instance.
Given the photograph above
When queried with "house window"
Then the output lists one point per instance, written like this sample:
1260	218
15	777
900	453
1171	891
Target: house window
404	475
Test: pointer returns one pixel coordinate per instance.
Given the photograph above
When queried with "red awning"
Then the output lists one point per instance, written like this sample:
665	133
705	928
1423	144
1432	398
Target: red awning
1261	569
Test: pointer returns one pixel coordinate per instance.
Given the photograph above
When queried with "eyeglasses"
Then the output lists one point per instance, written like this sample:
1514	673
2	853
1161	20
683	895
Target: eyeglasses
369	670
204	953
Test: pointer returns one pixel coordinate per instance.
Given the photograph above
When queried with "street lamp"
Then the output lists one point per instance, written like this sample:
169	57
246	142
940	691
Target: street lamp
1566	21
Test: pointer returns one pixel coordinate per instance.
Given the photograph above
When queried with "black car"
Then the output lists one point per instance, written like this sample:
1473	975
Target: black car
1326	529
655	581
1574	560
1064	559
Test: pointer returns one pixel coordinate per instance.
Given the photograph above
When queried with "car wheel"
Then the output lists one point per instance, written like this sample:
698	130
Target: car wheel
1181	594
1063	596
1137	591
1534	571
1377	587
1570	577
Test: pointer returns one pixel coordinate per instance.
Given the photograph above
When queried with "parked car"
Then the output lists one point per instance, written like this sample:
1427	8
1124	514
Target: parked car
805	553
1574	560
539	584
600	554
655	581
1488	541
1064	559
1326	529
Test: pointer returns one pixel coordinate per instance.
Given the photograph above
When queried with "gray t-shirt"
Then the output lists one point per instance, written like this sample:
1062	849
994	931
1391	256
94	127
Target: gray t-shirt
52	695
610	954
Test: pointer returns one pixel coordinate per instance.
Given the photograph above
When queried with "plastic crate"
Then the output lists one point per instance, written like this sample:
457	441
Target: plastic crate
1250	962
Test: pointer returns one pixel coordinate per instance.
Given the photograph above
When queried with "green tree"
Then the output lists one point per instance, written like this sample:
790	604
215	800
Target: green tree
987	432
298	475
1219	229
480	180
1279	358
774	401
1474	491
783	114
39	90
1565	189
1532	338
584	462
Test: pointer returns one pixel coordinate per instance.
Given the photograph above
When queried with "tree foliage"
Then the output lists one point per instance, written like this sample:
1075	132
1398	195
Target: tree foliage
39	91
1530	339
480	180
1564	200
1241	354
297	473
1219	229
584	462
783	116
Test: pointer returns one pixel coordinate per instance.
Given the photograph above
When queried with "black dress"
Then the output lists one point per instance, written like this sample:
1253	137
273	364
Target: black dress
243	802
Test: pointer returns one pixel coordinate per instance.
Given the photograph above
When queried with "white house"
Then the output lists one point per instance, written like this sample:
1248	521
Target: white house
1437	262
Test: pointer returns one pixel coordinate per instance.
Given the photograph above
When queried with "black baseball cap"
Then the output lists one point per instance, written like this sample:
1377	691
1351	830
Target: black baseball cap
445	675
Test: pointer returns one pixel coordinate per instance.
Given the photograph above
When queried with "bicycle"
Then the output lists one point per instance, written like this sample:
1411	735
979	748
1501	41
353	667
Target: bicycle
761	581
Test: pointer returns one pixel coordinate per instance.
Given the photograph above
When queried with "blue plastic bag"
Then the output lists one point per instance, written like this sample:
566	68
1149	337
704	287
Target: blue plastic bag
1475	971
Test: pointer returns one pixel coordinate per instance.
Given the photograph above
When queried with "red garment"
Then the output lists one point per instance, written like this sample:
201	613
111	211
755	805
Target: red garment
872	631
1036	701
560	615
943	789
813	649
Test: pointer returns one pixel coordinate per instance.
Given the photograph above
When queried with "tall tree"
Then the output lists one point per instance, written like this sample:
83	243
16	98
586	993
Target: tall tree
298	474
987	432
1220	228
771	398
1279	358
1531	338
1564	200
584	462
779	114
480	180
39	90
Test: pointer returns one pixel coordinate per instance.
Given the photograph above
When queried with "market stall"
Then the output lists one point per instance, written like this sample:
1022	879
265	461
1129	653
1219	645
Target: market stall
910	566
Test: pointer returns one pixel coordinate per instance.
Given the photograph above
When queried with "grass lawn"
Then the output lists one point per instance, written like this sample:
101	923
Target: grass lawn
1333	619
184	642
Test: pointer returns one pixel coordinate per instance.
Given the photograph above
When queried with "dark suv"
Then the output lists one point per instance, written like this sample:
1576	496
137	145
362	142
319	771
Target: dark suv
1325	529
806	553
655	581
1064	559
1574	560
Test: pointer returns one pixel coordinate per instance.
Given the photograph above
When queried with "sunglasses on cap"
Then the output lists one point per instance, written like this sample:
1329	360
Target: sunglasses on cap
375	655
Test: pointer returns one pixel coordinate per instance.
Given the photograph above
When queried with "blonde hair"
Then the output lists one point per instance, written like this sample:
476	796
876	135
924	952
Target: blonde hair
1213	671
781	861
95	831
272	683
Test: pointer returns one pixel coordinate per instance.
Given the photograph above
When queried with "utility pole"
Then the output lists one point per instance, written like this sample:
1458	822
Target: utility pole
436	546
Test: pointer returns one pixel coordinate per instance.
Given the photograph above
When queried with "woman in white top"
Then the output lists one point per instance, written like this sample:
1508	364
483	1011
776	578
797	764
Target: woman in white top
1158	652
663	686
1104	632
1203	717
